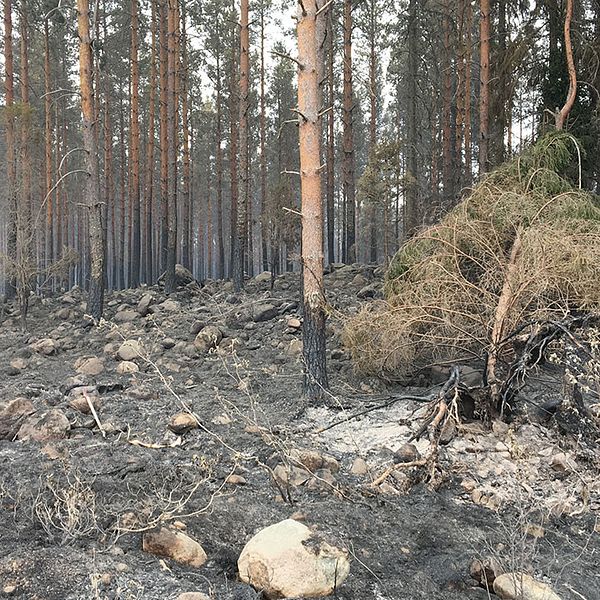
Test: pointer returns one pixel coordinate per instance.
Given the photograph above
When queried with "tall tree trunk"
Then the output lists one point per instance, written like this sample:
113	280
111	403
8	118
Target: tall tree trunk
93	201
484	91
467	93
348	139
49	252
24	230
447	174
172	144
330	138
135	198
164	146
241	232
411	212
122	182
185	125
149	196
11	175
264	217
220	262
233	146
309	106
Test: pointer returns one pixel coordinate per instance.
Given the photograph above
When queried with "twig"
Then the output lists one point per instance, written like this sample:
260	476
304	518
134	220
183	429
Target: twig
94	413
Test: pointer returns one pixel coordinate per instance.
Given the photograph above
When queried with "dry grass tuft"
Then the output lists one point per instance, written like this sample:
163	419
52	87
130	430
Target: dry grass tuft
523	246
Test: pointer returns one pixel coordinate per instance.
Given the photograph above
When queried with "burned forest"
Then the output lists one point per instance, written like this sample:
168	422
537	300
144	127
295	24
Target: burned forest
300	299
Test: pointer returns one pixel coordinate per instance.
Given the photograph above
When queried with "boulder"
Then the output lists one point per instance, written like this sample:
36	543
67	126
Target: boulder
264	311
182	422
264	277
209	337
45	346
126	367
129	350
143	306
47	426
90	366
12	416
288	560
126	316
520	586
174	544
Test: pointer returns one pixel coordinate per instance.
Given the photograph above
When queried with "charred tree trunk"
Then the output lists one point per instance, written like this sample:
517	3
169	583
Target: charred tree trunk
484	92
164	146
49	249
186	162
172	145
220	262
330	139
309	57
241	226
264	217
135	198
11	174
93	201
348	140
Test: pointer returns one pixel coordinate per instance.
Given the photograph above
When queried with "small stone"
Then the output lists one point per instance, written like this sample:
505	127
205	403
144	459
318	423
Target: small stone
193	596
47	426
560	463
520	586
78	399
223	419
126	316
90	366
126	367
9	589
167	343
313	460
406	454
175	545
129	350
294	323
294	348
182	422
106	579
359	466
122	567
18	364
287	560
235	479
534	530
208	338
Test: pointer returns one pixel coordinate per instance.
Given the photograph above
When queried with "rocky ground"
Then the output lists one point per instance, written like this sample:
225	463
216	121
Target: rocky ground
198	426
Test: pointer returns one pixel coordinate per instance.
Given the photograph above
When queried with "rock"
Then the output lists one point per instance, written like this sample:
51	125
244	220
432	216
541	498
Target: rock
182	422
287	560
45	346
196	327
294	348
19	364
12	416
485	571
244	592
168	343
291	476
368	291
175	545
78	399
170	305
313	460
192	596
126	367
520	586
143	306
407	453
264	312
235	479
90	366
560	463
359	466
264	277
360	280
208	338
65	313
294	323
126	316
129	350
183	276
47	426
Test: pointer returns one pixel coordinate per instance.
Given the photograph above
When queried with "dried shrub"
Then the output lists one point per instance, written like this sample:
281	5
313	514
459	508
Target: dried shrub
525	238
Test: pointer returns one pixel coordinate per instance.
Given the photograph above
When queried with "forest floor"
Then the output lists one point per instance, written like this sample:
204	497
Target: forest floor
74	498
